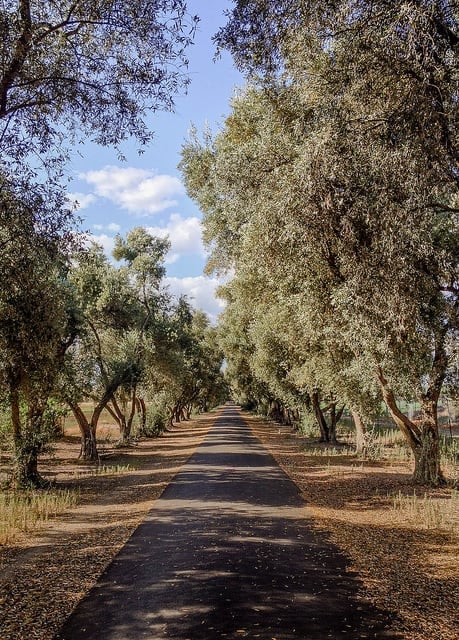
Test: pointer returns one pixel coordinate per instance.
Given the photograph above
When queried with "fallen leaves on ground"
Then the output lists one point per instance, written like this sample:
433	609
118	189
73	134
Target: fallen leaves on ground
406	567
45	576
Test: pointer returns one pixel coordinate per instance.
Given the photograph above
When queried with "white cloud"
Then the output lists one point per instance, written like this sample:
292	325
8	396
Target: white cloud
185	235
80	201
136	190
109	227
106	242
200	292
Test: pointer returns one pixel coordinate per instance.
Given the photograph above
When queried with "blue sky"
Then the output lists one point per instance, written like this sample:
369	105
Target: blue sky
146	189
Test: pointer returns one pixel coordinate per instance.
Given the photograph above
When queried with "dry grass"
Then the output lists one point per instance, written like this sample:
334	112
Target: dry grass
27	511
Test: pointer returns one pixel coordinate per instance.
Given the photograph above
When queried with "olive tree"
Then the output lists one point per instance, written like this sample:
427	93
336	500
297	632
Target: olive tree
143	257
37	321
79	69
376	177
355	222
70	71
118	306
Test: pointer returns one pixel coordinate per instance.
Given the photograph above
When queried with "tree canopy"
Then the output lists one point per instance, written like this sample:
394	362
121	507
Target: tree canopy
70	72
76	70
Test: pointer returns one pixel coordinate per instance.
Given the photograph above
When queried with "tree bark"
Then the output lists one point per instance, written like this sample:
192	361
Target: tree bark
124	422
422	437
115	414
335	417
15	416
26	450
142	411
88	451
323	426
427	469
360	431
132	411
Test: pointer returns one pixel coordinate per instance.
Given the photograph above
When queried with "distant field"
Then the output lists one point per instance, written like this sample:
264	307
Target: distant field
107	428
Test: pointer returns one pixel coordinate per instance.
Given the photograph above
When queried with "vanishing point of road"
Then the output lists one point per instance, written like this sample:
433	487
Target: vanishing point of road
227	551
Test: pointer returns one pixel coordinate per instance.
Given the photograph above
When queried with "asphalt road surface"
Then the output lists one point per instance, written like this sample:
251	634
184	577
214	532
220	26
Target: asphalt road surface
227	552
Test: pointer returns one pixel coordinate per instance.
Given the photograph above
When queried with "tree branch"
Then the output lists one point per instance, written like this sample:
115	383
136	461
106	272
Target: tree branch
19	55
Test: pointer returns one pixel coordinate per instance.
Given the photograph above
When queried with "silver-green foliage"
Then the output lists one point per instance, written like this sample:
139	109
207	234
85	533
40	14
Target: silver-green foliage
76	69
332	193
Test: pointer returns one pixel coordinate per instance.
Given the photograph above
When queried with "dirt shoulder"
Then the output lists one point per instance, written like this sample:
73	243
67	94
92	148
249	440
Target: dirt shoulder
44	576
407	562
405	549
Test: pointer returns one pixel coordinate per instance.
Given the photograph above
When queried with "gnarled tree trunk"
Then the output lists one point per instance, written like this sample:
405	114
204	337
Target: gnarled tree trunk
422	436
88	451
122	417
427	450
26	446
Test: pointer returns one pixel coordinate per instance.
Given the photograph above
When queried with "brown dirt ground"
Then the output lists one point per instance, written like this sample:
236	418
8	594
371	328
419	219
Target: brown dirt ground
408	563
405	566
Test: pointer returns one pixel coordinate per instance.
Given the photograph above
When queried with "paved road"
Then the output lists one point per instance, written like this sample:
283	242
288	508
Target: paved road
226	552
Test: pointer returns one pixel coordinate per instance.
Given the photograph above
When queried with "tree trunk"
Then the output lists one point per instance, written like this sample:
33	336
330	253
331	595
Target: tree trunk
132	411
26	472
324	431
360	431
124	420
169	417
176	413
427	451
423	438
142	411
120	417
15	417
26	450
335	417
88	451
115	414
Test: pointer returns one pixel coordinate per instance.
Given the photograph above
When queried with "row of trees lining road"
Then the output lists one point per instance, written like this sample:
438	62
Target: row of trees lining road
110	334
331	197
72	325
136	344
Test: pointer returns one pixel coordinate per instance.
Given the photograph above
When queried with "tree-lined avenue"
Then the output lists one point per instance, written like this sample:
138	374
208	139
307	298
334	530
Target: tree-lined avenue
227	552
